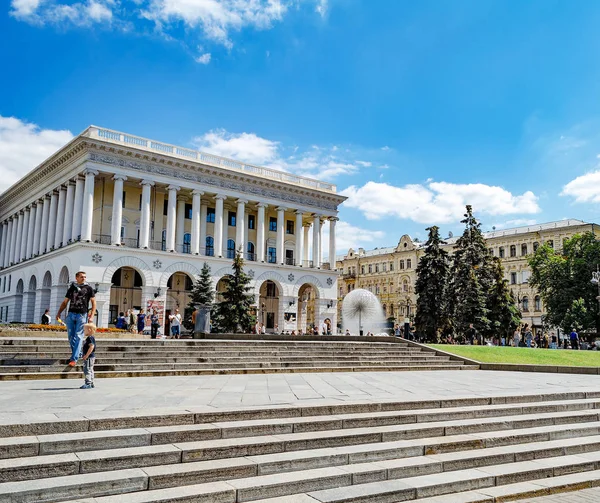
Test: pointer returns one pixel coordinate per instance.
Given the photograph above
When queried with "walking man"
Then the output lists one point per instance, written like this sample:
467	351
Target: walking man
574	339
78	297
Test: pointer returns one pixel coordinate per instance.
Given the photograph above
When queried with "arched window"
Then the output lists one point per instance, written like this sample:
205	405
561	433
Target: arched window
550	243
501	252
525	303
538	303
187	243
230	248
535	246
513	251
210	246
523	249
163	244
405	285
250	251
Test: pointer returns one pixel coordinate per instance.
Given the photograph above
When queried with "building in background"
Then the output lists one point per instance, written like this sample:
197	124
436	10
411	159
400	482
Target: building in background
390	273
141	217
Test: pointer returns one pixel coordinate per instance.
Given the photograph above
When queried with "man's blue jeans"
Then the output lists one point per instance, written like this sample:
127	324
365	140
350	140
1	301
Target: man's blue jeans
75	324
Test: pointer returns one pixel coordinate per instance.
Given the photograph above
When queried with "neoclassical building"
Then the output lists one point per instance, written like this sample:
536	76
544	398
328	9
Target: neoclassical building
390	273
141	217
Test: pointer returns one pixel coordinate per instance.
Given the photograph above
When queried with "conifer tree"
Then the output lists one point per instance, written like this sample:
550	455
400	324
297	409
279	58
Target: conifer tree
232	314
470	278
202	292
432	287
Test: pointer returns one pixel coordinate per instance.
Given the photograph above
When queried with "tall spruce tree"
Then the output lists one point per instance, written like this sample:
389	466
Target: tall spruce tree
232	314
432	287
202	291
470	278
504	315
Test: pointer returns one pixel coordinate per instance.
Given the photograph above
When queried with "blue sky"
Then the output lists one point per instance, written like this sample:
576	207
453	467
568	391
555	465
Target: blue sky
413	109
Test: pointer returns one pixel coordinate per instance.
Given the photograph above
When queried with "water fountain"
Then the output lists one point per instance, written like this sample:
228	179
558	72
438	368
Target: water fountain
362	313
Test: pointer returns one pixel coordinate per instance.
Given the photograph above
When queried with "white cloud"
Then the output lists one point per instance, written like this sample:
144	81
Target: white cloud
321	7
316	162
349	236
518	222
23	146
436	202
385	148
77	14
204	59
584	188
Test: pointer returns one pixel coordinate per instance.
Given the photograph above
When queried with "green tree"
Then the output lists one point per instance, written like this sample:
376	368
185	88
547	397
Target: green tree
202	293
504	315
470	278
432	287
232	314
575	317
564	277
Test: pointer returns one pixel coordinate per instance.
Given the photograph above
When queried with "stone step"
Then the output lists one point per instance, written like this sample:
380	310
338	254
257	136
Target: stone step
69	374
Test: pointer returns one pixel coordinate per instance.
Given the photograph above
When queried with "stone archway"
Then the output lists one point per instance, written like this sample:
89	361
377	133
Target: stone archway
269	306
125	292
308	316
135	263
18	301
45	293
178	296
183	267
29	301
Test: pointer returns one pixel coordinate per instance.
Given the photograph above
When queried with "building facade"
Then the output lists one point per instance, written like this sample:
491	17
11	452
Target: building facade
140	217
390	273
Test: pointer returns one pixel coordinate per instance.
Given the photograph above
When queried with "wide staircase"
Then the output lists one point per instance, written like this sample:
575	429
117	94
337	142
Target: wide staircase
467	450
26	358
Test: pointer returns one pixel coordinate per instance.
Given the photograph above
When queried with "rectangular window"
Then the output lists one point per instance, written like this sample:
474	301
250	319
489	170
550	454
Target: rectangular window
210	215
188	211
273	224
251	222
140	208
124	194
401	264
289	227
513	278
362	269
391	266
370	268
376	267
231	218
408	263
272	255
166	208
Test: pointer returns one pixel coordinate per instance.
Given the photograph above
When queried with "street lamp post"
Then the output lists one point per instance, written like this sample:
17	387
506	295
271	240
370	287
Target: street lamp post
407	320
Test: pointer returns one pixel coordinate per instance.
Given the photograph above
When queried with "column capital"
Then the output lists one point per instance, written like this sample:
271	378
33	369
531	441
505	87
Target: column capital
174	187
71	182
281	208
90	171
197	192
147	182
333	219
46	196
243	201
220	196
299	212
117	176
262	205
307	224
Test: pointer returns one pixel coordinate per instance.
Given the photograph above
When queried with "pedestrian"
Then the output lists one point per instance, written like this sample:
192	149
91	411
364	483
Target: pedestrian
574	337
79	296
517	337
121	322
132	321
89	355
347	332
553	341
263	329
46	317
175	324
141	322
154	324
471	334
528	336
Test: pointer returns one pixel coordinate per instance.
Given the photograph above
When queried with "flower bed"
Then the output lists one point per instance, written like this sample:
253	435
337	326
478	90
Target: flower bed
56	328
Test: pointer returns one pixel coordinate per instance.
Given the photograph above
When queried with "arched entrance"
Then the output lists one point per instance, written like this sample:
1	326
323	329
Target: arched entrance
268	305
18	301
125	292
307	296
30	307
63	277
45	294
179	290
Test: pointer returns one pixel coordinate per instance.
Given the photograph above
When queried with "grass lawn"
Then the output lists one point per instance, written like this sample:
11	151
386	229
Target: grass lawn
498	354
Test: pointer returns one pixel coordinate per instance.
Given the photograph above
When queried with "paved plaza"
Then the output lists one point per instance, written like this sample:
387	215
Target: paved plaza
56	398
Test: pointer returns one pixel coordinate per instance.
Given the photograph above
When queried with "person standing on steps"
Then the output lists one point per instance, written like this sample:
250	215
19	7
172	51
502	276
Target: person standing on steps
78	297
154	324
175	324
46	317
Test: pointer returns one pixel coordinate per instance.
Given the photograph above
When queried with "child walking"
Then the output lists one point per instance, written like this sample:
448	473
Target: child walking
89	355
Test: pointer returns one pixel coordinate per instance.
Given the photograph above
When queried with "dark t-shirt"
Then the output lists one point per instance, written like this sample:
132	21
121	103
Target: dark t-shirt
89	340
79	297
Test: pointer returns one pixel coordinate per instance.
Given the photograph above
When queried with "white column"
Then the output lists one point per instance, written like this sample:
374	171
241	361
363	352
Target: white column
19	237
280	235
203	215
305	251
321	243
299	239
5	243
77	208
145	213
69	211
240	226
45	224
171	216
37	228
24	234
219	225
316	237
30	230
60	217
12	230
332	222
88	205
117	210
196	217
225	227
180	222
260	232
